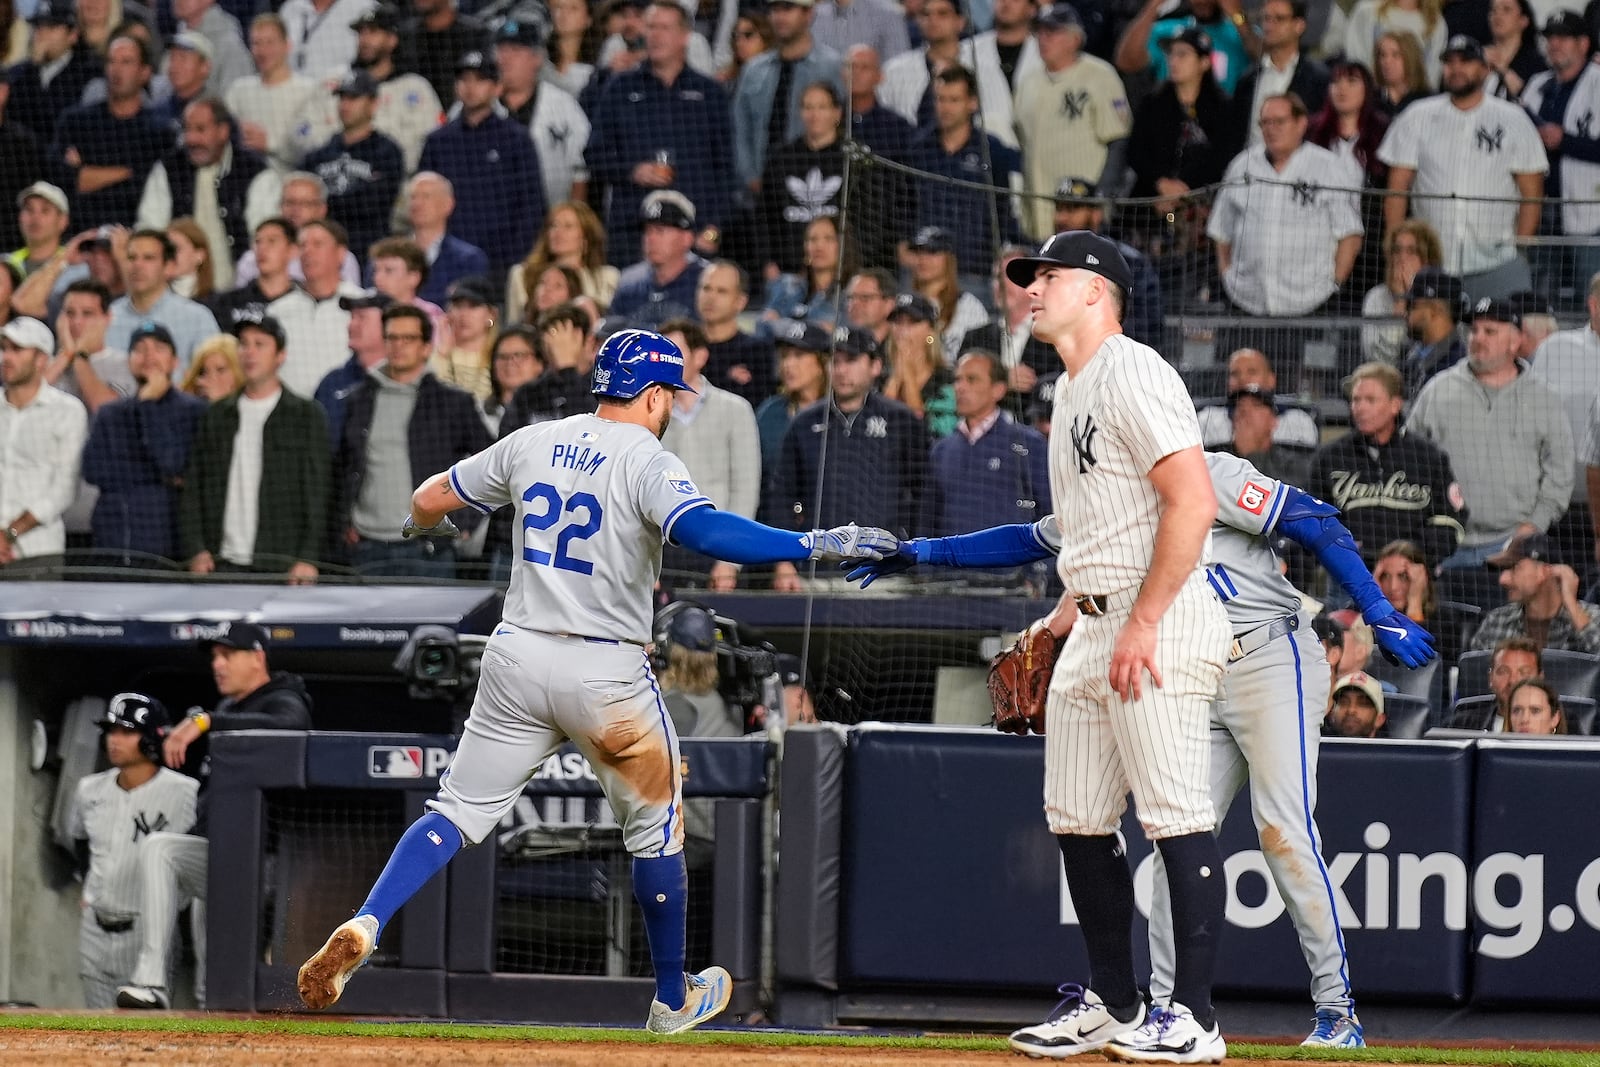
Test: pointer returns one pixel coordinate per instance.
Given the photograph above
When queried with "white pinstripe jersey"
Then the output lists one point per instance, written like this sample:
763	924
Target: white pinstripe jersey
1112	423
114	820
595	500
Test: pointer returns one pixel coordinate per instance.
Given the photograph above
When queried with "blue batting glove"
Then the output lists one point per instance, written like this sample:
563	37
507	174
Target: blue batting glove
908	555
1402	641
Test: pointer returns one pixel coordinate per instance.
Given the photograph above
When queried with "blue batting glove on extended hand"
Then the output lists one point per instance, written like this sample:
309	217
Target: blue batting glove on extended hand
908	555
851	542
1401	640
446	528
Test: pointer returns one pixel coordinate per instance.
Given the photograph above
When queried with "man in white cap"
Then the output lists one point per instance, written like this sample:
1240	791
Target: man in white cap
1357	707
42	431
42	215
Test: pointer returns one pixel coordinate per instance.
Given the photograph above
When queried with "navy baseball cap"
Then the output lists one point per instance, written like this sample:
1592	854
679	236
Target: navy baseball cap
932	239
54	13
252	319
1463	46
1193	36
1077	191
382	17
151	329
1566	23
357	83
371	298
1082	249
1058	16
521	31
801	334
480	63
1495	310
630	362
1432	283
667	207
473	289
852	341
1252	390
245	636
914	306
1534	546
693	628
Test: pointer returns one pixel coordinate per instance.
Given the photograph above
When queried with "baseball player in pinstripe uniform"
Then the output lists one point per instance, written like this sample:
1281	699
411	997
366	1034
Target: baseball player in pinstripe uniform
113	812
1274	654
596	496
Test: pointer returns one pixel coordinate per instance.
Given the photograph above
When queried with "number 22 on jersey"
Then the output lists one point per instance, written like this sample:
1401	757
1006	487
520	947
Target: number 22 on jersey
545	509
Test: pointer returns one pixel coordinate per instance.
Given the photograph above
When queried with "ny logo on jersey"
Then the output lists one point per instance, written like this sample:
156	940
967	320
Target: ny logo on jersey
877	426
1304	193
1491	142
1083	442
1583	123
144	827
1074	104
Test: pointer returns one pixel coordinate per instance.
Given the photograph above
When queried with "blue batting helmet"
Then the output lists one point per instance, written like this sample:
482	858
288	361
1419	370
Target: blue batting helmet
631	361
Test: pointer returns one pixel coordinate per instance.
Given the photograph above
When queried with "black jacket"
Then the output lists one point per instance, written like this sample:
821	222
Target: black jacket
1309	82
1168	142
281	704
1401	490
233	189
444	428
37	106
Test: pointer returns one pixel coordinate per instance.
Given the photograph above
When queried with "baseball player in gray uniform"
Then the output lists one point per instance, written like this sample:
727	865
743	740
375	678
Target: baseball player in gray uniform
596	496
113	812
1274	658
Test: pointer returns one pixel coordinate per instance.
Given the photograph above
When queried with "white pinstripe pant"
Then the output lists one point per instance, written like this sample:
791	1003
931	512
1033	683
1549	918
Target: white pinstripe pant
1098	746
172	871
105	960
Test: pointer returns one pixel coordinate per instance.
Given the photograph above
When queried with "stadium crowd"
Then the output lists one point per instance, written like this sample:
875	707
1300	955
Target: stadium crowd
273	267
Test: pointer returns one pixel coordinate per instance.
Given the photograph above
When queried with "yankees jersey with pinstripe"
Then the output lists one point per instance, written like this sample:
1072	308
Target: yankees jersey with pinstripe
1461	155
1111	423
115	821
595	500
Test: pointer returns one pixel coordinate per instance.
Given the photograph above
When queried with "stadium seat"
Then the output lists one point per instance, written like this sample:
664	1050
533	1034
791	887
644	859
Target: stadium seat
1478	586
1572	673
1426	682
1472	674
1473	713
1580	715
1405	717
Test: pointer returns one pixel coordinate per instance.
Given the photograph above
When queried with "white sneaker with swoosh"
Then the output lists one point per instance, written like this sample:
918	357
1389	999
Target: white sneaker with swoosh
1170	1035
1080	1023
705	995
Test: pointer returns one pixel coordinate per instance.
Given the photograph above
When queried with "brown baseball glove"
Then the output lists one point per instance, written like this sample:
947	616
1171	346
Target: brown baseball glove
1019	681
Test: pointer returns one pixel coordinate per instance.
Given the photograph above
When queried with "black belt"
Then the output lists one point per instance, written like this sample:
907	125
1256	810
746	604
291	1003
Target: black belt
117	926
1262	635
1091	604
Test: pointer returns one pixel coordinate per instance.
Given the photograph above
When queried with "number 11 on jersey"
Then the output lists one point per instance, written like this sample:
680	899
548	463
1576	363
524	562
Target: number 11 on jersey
1221	584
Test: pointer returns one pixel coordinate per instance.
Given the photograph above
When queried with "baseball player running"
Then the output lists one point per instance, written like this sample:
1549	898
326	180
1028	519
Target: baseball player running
596	495
112	813
1274	654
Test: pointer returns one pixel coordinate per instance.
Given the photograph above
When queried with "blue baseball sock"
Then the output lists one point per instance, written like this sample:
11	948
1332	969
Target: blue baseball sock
661	886
423	851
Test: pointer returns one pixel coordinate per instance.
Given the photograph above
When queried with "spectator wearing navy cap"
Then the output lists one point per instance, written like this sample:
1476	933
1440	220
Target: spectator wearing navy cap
1079	206
408	106
1563	102
1433	308
361	168
1253	411
137	450
1474	167
803	349
954	147
466	362
433	42
1505	433
366	352
1010	334
919	377
255	491
229	58
558	125
492	164
188	73
663	284
1544	605
150	298
935	267
1072	112
399	423
661	126
37	101
873	468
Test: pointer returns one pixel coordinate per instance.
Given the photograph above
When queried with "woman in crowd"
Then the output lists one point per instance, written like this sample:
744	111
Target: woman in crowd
1533	707
191	267
802	380
1401	74
931	256
514	362
469	307
804	179
10	278
557	284
752	35
810	295
919	377
98	19
1401	571
1370	20
573	45
214	373
572	237
1409	247
1513	50
1183	138
1351	125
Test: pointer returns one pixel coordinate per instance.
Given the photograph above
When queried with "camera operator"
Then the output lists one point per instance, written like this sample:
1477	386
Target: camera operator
686	661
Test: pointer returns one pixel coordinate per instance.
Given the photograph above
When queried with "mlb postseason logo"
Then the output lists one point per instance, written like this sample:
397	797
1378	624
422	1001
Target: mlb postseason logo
394	761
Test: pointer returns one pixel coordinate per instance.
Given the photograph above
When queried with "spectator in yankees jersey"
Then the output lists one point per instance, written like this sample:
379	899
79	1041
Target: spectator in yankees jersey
1564	101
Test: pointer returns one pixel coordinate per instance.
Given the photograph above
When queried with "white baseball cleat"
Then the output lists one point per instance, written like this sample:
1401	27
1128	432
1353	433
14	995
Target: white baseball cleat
705	995
323	976
1080	1023
1170	1035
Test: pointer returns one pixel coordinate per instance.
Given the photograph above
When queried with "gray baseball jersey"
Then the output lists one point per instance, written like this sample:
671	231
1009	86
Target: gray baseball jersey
1244	569
115	821
595	500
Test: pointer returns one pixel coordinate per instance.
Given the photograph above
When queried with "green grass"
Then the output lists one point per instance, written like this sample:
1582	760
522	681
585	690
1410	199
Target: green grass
747	1038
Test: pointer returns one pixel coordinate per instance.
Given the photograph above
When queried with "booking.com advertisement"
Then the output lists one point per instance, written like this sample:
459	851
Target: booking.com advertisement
1457	872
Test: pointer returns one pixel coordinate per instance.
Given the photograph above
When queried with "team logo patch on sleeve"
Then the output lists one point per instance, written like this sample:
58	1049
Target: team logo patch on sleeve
681	483
1253	497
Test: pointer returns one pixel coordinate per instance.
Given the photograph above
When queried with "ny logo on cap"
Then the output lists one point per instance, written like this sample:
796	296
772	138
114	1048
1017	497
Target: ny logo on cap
472	59
1483	305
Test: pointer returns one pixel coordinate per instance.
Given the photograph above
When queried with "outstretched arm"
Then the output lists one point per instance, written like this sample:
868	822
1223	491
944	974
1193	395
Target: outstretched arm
725	536
998	546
